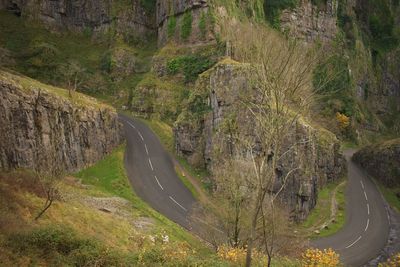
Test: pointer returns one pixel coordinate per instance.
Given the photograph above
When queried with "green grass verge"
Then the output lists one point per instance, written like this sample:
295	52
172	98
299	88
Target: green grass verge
187	183
109	176
390	194
322	212
165	134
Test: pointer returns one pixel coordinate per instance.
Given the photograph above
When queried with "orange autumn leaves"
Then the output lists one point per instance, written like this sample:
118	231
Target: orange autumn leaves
310	258
317	258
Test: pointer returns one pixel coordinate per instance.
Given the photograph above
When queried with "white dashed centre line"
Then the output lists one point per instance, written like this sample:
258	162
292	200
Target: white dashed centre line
362	185
141	136
365	194
151	165
352	244
368	208
158	182
133	126
147	151
177	203
366	227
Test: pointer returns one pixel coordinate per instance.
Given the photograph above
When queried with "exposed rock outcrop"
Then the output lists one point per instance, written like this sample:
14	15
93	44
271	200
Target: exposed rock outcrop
199	132
170	16
42	128
382	161
310	22
129	18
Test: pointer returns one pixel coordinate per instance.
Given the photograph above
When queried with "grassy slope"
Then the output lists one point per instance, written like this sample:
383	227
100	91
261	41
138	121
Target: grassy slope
322	212
28	84
86	225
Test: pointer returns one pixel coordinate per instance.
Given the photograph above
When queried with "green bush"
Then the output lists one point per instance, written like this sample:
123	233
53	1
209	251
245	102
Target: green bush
203	25
332	80
64	245
273	10
148	5
191	66
171	25
186	27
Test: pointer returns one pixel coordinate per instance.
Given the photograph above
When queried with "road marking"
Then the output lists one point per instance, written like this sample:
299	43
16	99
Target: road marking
141	136
368	208
133	126
352	244
365	194
151	165
158	182
362	184
177	203
366	227
147	151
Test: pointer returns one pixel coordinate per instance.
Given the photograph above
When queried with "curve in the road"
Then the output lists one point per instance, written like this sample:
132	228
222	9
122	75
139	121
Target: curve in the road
153	177
366	229
152	174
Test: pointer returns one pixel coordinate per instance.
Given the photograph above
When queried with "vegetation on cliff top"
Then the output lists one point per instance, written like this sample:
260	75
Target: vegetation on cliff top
34	86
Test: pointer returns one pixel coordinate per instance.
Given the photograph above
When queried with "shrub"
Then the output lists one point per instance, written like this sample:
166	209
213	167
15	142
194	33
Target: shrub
191	66
342	120
392	261
332	80
203	25
56	242
148	5
171	25
186	27
273	10
316	257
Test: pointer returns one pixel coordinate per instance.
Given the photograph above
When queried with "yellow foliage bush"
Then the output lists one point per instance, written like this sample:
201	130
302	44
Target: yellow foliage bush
238	256
394	261
342	120
320	258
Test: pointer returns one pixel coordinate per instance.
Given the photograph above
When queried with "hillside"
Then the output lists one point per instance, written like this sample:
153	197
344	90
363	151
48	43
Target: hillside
256	104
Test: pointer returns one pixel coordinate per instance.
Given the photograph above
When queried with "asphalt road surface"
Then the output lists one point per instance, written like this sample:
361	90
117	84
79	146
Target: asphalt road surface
366	229
153	177
152	174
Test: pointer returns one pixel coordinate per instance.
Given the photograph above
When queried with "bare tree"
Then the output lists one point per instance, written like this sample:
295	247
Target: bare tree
74	74
280	94
49	184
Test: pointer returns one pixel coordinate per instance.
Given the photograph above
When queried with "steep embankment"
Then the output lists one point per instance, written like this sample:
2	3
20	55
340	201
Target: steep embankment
42	128
382	161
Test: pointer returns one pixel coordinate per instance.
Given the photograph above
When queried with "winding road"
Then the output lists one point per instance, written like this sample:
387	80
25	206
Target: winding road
152	174
366	229
153	177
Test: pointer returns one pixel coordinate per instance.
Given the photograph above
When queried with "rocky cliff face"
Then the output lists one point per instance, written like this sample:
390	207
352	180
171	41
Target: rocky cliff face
171	18
310	22
42	128
382	161
129	18
199	132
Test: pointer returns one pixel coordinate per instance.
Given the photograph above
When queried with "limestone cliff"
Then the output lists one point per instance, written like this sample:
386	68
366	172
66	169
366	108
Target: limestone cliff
382	161
128	18
41	127
172	15
310	22
199	130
